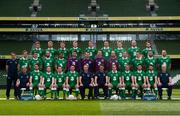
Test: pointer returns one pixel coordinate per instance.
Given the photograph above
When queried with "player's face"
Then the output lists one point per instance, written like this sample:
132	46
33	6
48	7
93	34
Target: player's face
37	45
90	44
36	67
148	45
101	68
164	53
138	55
151	67
59	69
60	55
127	67
99	54
72	68
114	68
35	55
74	54
24	69
48	69
150	53
75	44
13	55
86	67
139	67
113	54
163	68
133	43
119	44
62	45
48	54
50	44
87	55
25	54
125	54
106	44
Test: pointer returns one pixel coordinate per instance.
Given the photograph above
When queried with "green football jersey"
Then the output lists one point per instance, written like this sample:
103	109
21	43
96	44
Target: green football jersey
48	62
92	51
114	78
61	62
36	75
132	51
60	78
146	50
150	61
48	79
23	62
64	51
77	50
136	62
34	61
106	52
52	51
127	77
139	76
164	60
151	75
122	63
119	52
38	51
73	76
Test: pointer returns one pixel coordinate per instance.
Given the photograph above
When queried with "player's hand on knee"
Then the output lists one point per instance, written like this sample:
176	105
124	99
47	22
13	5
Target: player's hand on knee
81	84
159	84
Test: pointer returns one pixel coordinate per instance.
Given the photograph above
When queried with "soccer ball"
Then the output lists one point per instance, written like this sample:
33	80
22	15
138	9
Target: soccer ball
71	97
38	97
114	97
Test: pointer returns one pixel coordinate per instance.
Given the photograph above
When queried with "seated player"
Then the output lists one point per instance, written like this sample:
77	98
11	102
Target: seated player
99	60
63	50
151	79
119	50
88	61
113	80
48	82
101	81
47	61
72	81
127	78
140	81
76	49
86	82
112	61
60	61
22	81
164	81
106	50
60	77
91	50
35	77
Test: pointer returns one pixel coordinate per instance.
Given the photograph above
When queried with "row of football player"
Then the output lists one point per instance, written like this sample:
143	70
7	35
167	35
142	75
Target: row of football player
72	81
94	62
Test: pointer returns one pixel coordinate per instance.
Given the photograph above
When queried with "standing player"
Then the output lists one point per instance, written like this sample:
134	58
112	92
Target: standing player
151	77
86	82
101	81
74	61
23	61
60	77
99	61
51	49
60	61
164	59
106	50
35	76
35	60
119	50
123	61
72	81
133	49
137	60
91	50
76	49
48	61
114	79
63	50
37	49
147	49
88	61
112	61
140	81
150	60
127	78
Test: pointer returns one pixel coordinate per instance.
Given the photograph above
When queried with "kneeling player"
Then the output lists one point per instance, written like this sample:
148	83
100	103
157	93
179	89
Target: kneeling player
140	81
101	81
60	81
127	79
72	81
114	80
22	81
151	77
86	81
